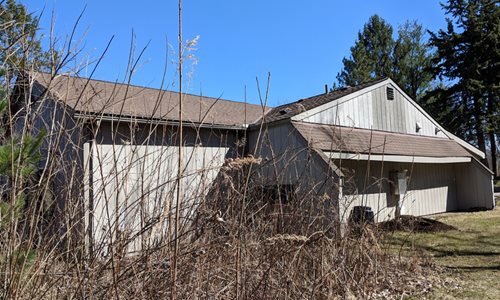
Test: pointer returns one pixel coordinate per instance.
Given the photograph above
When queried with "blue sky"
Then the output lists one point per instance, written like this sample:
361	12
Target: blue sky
301	43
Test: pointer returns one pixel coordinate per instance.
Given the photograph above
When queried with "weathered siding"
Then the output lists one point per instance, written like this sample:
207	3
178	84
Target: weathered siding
431	188
287	157
133	179
288	160
61	160
474	186
372	110
133	187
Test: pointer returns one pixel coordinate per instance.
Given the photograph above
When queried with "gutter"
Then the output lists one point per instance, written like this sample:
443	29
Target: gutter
399	158
142	120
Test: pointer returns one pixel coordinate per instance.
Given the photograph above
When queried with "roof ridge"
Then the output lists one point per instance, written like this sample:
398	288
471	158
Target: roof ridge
278	113
341	89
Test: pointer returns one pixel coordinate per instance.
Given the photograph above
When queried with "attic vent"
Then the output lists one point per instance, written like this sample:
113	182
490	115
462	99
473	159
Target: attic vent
390	93
285	111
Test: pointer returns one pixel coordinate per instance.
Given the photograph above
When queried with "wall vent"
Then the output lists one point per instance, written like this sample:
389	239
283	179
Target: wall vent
390	93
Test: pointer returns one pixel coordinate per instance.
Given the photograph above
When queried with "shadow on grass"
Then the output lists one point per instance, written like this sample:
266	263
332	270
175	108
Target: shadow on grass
475	268
475	241
438	252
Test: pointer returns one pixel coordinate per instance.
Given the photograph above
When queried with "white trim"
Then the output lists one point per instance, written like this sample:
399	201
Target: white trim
399	158
156	121
306	114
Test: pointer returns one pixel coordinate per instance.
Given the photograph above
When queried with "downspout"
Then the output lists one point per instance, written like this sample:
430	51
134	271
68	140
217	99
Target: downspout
89	207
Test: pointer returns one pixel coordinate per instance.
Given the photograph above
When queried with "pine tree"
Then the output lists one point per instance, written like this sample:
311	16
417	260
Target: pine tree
21	51
376	54
370	55
468	62
21	48
412	60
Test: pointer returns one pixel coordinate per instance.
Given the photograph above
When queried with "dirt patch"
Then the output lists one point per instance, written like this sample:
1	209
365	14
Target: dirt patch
415	224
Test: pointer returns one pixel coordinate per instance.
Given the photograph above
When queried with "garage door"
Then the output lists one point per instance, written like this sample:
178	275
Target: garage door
132	192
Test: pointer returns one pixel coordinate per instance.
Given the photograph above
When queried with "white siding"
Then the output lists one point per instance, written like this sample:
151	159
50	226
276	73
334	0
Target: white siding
372	110
134	185
287	157
431	188
475	186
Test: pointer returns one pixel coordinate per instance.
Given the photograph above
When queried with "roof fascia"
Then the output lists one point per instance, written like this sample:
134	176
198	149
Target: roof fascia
399	158
138	120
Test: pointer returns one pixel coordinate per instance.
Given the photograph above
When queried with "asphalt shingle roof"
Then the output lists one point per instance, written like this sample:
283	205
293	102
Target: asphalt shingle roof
365	141
291	109
110	98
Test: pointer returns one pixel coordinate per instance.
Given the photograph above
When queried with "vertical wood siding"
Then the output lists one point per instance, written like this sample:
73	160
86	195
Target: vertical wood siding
133	185
431	188
372	110
287	157
475	186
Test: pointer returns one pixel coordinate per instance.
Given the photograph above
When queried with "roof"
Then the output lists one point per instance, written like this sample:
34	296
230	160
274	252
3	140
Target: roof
289	110
89	96
365	141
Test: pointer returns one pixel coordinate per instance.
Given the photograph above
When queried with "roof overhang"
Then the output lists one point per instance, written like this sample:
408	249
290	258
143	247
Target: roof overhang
154	121
336	102
397	158
466	145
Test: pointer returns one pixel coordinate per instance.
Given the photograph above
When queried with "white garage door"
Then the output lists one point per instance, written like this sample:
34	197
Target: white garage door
134	191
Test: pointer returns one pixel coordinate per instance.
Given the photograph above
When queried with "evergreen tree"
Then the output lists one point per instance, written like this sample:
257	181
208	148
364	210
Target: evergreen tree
370	55
412	60
21	48
376	54
468	63
19	153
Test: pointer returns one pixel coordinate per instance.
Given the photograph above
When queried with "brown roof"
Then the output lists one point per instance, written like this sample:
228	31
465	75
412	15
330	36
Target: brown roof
291	109
110	98
364	141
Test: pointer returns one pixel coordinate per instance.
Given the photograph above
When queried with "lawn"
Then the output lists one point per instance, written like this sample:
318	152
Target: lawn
469	256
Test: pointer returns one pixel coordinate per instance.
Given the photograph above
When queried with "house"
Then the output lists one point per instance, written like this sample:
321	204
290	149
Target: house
369	145
377	148
112	150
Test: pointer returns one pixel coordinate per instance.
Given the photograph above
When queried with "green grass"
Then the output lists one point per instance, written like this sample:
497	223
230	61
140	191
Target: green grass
469	256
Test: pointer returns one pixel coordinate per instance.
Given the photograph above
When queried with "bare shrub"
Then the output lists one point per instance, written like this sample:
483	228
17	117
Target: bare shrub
89	208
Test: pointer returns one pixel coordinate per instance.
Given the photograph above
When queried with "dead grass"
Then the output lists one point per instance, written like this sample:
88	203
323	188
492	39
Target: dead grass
469	256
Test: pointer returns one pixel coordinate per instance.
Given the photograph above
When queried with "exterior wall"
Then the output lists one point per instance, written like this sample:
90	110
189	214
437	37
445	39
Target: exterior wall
371	110
432	188
63	135
61	160
133	179
474	186
288	160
